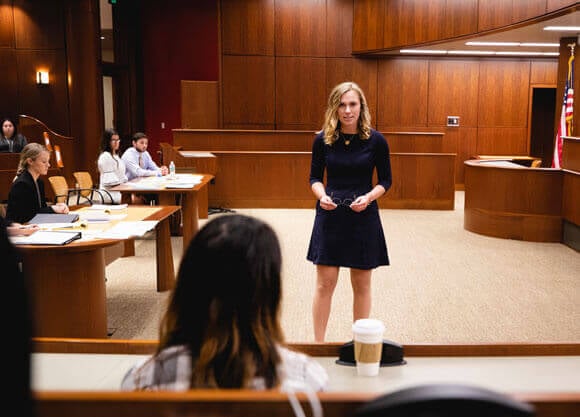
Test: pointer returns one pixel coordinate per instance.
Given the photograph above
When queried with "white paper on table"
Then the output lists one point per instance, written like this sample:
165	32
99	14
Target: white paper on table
91	217
125	230
107	207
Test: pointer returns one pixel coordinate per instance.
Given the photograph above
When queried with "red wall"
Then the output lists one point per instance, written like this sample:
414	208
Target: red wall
180	42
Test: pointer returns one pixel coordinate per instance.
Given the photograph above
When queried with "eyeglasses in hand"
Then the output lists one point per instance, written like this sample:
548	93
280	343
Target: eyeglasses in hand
342	201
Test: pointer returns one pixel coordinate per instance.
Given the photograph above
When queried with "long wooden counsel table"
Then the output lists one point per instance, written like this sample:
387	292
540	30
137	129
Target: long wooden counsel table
82	378
67	283
168	196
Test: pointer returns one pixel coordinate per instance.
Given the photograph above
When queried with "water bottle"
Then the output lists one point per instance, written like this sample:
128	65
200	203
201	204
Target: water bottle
171	170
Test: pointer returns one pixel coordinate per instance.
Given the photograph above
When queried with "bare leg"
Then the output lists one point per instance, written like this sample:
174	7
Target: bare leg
326	279
360	280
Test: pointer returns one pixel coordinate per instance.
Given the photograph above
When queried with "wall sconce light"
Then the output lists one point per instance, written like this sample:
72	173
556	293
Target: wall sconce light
42	78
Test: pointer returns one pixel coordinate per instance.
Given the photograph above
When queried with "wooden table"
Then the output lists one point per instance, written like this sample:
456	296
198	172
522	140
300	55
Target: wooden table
167	196
67	283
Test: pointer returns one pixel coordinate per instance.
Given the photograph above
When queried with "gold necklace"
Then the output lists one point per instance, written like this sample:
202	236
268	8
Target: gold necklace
348	139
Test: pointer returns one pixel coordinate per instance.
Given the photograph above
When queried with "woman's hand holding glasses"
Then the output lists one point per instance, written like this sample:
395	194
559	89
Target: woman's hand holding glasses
357	204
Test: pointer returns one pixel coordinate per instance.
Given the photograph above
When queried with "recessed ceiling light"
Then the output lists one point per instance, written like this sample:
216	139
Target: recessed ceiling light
422	51
459	52
540	44
492	43
563	28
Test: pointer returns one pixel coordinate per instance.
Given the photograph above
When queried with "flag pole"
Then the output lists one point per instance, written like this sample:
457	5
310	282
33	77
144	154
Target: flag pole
565	125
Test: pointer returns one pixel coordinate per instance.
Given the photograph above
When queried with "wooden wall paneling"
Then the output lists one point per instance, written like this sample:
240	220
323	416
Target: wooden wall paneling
571	197
38	25
6	25
421	181
9	83
415	142
523	10
300	28
571	153
199	104
262	179
552	5
244	140
460	18
368	25
85	89
339	28
503	93
402	92
361	71
461	141
45	102
409	22
502	141
300	93
247	27
453	90
493	13
248	92
544	72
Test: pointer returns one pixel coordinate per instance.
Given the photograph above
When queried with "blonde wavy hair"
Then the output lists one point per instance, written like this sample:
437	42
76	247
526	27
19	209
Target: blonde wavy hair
32	151
331	125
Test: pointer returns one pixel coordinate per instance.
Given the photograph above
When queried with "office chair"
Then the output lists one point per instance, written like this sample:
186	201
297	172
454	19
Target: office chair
445	400
88	191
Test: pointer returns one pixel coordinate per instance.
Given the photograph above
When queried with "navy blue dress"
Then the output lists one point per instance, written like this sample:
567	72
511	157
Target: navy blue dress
343	237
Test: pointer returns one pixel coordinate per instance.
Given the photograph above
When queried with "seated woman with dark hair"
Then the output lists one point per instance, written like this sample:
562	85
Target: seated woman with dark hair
26	197
222	328
10	139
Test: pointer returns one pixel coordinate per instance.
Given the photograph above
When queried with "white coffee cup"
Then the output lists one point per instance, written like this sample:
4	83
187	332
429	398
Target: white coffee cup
368	345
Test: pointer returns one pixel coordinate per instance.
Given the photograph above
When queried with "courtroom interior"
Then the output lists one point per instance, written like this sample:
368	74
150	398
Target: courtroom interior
233	93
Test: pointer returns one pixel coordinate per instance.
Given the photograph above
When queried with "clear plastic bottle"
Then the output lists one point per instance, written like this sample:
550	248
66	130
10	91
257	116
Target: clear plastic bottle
172	169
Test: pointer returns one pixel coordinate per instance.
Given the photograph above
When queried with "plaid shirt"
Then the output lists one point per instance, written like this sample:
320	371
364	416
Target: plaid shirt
171	370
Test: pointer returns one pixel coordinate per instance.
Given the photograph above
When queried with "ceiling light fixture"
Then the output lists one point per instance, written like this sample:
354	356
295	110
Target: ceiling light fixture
563	28
492	43
423	51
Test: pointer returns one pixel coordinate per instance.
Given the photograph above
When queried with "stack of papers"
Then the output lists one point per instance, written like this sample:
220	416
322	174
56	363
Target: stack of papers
183	181
126	230
107	207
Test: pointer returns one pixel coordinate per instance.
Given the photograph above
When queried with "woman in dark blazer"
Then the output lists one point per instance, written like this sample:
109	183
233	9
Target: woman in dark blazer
10	139
26	196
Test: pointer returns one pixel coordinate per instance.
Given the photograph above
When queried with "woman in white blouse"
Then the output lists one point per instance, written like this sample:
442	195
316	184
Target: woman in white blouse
111	166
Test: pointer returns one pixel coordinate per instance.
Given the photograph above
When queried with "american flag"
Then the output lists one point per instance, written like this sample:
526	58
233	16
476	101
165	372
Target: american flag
566	118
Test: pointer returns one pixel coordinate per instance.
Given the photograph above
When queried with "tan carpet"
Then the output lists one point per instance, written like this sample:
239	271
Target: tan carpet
444	284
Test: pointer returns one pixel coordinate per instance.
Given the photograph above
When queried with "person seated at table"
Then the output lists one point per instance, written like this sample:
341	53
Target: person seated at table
140	164
26	197
10	139
222	326
138	160
111	166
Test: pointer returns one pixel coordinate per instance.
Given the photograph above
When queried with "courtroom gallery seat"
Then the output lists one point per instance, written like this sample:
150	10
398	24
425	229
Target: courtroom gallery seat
445	400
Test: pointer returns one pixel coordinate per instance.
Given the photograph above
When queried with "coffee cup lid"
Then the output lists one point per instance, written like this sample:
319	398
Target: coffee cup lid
368	326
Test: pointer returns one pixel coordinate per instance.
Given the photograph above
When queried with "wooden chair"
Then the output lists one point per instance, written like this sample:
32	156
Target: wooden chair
88	191
62	192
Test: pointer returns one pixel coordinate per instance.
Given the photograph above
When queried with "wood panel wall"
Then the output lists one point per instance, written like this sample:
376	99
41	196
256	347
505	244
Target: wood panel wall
58	37
268	83
411	22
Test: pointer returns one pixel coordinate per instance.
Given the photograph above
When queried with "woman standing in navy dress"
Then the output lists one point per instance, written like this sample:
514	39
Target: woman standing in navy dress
347	228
